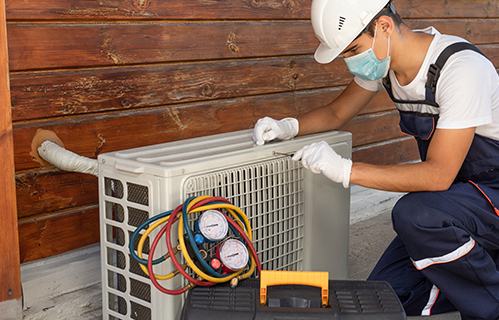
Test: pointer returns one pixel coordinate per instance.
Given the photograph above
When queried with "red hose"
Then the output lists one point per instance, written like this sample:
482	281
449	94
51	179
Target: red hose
167	228
248	241
150	259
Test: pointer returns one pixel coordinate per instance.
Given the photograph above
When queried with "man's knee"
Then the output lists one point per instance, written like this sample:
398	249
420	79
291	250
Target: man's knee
415	210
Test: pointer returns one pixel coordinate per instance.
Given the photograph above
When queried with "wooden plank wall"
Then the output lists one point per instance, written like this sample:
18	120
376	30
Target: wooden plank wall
114	74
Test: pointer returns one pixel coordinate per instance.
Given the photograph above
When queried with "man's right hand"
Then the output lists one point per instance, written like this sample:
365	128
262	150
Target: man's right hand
268	129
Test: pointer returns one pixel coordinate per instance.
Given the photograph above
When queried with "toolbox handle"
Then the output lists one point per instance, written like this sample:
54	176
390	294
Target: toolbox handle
275	278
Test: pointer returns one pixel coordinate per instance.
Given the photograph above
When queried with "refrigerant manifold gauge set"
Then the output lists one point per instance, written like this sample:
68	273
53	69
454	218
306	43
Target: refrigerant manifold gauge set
218	248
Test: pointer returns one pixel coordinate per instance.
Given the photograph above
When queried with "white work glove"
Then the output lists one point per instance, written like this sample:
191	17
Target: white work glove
268	129
320	158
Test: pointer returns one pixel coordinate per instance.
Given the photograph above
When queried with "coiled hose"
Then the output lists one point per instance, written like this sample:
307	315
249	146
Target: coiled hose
237	221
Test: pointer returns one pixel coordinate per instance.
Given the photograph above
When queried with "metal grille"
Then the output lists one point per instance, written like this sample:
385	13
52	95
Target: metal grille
271	195
139	312
139	290
136	217
118	230
138	194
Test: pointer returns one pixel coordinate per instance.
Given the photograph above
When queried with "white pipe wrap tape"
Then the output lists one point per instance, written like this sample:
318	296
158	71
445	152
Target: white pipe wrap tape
67	160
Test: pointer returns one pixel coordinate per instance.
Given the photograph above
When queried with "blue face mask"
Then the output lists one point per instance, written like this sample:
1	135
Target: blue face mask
367	66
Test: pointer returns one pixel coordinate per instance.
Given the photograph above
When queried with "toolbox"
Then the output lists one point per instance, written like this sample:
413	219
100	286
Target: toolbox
291	295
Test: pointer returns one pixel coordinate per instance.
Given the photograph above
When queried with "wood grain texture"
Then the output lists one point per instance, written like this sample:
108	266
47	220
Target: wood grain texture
447	9
476	31
47	191
51	234
63	45
372	128
158	10
63	93
395	151
244	9
35	46
10	273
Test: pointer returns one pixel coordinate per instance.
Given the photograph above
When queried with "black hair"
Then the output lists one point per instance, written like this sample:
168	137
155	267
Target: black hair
389	11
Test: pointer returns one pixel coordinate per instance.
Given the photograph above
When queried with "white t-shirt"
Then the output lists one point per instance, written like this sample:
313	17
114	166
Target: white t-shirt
467	90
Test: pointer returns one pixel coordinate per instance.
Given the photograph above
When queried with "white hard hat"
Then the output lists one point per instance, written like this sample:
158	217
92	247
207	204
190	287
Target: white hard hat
338	22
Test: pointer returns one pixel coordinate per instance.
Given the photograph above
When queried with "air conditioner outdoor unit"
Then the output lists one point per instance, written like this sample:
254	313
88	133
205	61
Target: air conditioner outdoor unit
300	220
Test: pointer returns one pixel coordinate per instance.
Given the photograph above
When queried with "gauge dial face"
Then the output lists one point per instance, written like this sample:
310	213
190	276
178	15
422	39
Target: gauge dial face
213	225
234	254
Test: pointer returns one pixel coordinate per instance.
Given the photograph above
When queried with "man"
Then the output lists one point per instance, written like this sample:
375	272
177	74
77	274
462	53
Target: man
446	253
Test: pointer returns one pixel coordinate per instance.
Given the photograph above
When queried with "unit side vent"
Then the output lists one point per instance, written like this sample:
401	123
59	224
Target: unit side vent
125	279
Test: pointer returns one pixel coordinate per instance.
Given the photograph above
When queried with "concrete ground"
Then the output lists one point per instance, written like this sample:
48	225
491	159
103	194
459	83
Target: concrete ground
368	240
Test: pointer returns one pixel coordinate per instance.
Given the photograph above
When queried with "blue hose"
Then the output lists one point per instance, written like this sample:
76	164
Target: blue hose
137	231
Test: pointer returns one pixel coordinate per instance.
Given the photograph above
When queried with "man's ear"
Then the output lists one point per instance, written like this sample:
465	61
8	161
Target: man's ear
386	25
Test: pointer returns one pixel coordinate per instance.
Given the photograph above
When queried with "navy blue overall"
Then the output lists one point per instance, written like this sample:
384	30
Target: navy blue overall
446	253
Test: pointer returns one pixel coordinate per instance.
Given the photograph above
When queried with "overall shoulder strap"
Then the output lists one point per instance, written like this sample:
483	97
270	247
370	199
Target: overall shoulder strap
436	68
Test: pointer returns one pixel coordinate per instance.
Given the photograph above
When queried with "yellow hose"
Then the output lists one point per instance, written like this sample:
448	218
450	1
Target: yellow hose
141	245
